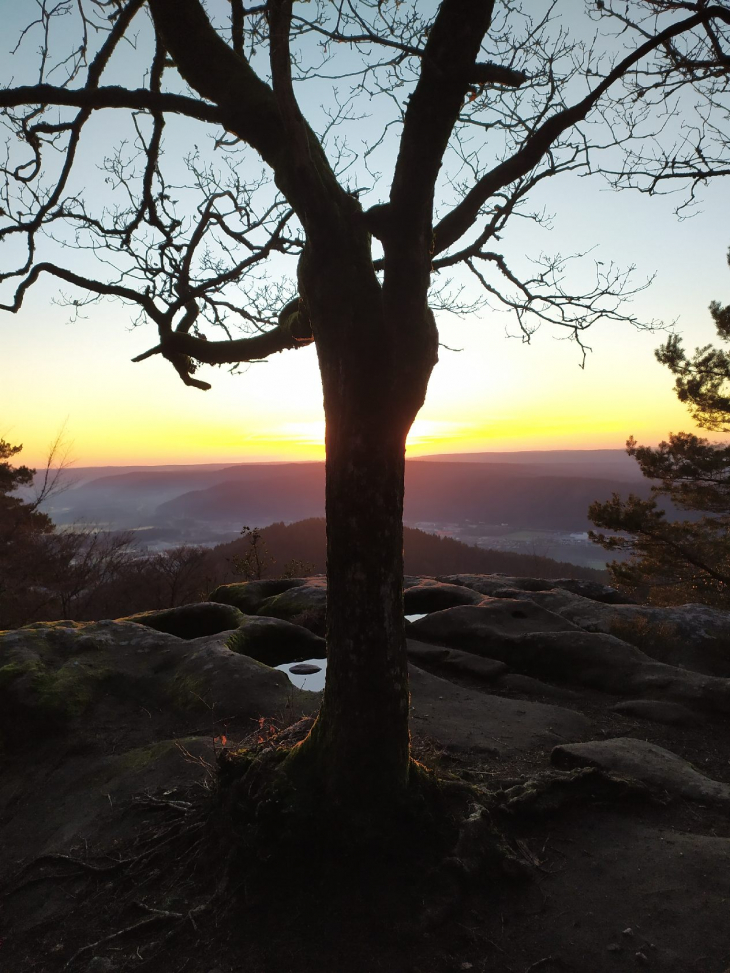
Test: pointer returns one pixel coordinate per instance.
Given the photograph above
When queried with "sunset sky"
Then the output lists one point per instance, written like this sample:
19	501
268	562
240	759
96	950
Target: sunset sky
495	394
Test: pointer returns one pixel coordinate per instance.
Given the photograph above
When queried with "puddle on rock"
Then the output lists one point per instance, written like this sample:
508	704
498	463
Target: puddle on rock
312	681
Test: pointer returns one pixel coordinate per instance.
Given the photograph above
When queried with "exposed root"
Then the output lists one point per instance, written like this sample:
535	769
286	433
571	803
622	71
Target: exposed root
483	847
556	790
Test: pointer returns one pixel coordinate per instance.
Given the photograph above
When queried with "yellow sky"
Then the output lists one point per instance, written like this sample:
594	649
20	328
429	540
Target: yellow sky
496	394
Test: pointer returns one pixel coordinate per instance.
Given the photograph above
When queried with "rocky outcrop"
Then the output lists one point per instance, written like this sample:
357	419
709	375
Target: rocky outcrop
248	596
428	595
455	662
578	658
67	677
474	628
274	641
659	711
191	621
100	720
462	719
644	761
695	636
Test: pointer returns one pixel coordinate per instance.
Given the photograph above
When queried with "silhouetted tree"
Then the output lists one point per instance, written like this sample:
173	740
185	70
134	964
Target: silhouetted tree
672	562
254	562
22	527
688	560
477	103
703	381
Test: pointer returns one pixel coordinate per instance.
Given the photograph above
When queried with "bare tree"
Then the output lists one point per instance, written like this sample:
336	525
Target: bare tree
441	121
178	576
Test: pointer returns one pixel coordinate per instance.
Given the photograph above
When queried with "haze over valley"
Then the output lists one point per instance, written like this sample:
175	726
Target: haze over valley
531	502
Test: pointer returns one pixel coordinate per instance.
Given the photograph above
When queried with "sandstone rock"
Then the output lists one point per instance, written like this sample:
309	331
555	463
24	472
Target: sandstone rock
62	677
305	604
593	590
695	636
305	669
658	711
599	661
495	584
430	654
606	663
274	641
581	658
191	621
473	720
646	762
475	628
430	596
516	682
248	596
455	661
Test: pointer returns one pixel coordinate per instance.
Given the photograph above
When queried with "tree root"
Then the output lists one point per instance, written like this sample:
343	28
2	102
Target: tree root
483	849
556	790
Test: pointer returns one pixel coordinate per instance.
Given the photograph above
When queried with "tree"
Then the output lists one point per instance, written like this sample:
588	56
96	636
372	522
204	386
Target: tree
21	526
477	106
689	560
672	562
28	565
702	382
255	560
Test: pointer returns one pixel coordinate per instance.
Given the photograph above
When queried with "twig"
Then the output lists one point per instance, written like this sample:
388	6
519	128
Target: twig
558	960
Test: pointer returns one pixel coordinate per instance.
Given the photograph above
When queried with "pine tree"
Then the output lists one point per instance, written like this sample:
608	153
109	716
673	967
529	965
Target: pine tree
684	560
22	530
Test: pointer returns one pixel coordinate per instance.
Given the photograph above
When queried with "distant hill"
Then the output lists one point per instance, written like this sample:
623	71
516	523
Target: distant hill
537	490
592	463
438	492
425	554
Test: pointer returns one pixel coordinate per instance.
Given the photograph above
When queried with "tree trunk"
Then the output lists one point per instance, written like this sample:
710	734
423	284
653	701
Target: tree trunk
361	736
374	375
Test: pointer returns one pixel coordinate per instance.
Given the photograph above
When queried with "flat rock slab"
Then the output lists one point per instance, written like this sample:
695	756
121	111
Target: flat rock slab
516	682
646	762
473	628
454	661
466	720
659	711
614	873
429	596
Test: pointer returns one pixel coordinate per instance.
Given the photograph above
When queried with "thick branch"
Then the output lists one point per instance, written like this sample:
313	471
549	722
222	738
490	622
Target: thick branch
447	67
249	109
98	287
138	99
292	331
463	216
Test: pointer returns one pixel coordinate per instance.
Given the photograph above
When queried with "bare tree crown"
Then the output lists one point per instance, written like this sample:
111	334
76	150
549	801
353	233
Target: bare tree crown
437	123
